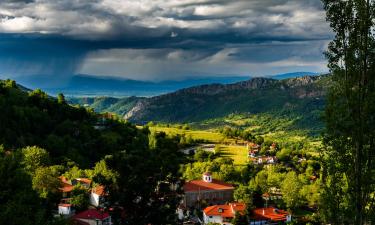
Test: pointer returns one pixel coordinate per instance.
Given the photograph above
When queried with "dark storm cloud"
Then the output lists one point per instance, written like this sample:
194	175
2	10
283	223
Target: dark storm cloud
45	36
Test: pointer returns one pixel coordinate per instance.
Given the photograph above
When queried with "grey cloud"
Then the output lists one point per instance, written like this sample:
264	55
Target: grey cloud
239	33
103	19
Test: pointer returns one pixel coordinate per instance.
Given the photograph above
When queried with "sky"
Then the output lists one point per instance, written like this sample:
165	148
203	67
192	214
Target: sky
161	39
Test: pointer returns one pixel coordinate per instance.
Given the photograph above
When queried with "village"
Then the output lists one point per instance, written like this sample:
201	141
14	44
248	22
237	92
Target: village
204	201
218	194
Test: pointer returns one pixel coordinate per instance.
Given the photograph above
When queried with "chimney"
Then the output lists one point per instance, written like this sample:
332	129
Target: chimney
207	177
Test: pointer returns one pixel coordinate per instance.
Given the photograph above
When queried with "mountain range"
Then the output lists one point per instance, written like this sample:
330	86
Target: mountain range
301	98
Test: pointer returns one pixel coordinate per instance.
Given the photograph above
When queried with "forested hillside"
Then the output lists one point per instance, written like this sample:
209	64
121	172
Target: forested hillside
119	106
42	138
297	99
288	104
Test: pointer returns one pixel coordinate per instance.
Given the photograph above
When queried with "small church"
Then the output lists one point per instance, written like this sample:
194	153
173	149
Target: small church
208	190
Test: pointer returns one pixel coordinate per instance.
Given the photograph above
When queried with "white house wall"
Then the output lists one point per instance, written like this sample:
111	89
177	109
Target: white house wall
214	219
64	210
94	199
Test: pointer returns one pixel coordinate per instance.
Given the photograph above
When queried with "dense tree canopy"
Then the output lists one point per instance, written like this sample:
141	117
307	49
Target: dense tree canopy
350	136
135	166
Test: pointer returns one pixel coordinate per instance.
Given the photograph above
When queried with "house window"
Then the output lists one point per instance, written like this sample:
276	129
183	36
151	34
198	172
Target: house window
210	217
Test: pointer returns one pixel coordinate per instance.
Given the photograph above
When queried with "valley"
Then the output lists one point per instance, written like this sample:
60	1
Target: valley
187	112
256	145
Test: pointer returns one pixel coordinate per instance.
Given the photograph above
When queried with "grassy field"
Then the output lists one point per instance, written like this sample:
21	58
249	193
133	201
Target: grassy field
238	153
232	148
206	135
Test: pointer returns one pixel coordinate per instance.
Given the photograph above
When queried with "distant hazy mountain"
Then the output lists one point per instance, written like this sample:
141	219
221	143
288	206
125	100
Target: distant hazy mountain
293	75
87	85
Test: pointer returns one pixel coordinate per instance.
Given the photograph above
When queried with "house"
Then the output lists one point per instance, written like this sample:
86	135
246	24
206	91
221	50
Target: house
92	217
66	186
264	160
253	146
300	160
252	154
313	178
270	215
208	190
65	209
271	160
273	146
222	214
97	195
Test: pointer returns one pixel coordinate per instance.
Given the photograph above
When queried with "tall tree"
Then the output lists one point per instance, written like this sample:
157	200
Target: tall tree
143	188
350	136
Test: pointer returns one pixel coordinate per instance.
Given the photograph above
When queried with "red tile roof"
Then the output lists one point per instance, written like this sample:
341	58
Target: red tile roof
227	211
200	185
92	214
65	205
78	222
270	213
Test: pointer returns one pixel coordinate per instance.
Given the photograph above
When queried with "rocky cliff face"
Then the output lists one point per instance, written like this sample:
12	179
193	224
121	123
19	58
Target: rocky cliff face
213	89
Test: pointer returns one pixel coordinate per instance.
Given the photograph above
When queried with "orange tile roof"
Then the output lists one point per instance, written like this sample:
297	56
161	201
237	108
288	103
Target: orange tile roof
99	190
84	180
214	211
200	185
66	188
238	207
270	213
65	205
64	180
227	211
